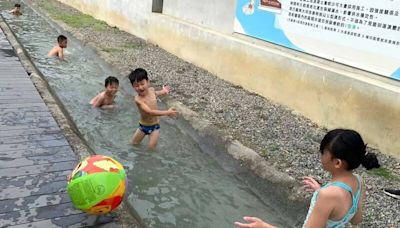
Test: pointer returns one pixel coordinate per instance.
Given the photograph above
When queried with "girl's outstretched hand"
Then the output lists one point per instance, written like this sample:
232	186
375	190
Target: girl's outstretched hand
310	185
253	223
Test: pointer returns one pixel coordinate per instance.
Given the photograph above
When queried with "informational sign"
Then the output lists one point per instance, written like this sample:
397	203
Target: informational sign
363	34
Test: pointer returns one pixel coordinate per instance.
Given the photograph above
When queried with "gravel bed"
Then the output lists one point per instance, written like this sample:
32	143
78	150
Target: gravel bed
287	140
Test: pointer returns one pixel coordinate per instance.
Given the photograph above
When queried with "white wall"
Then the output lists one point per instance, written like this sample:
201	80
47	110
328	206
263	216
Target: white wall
216	15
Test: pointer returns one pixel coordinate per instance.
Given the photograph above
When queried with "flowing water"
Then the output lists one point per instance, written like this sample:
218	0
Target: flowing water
185	182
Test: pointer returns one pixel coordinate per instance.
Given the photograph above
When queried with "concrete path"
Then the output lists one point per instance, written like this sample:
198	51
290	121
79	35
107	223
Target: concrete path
35	157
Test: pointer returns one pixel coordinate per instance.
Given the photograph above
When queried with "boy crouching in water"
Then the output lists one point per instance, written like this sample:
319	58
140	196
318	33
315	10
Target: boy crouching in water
17	10
146	101
106	98
58	50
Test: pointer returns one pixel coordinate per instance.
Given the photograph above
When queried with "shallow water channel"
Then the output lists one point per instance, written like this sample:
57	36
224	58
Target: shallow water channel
186	181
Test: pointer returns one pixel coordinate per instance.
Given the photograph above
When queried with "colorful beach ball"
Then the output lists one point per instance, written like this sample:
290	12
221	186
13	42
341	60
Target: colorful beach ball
97	184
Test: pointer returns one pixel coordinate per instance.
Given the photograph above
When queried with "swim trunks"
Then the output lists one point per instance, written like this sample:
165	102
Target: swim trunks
147	130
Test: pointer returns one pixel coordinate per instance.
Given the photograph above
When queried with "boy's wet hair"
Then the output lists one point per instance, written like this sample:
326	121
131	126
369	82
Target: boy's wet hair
348	145
61	38
138	75
17	5
111	80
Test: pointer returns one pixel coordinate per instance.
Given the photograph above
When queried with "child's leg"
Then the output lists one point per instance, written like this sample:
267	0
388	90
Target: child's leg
137	137
153	138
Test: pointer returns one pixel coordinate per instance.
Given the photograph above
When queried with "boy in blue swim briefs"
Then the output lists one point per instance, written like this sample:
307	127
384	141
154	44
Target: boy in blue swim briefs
146	101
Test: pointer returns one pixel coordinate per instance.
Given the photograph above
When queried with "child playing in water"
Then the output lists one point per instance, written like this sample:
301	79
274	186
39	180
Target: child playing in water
340	201
106	98
146	101
17	10
58	50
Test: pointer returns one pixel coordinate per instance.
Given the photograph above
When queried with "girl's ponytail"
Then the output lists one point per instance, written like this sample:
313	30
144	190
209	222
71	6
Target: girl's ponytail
369	161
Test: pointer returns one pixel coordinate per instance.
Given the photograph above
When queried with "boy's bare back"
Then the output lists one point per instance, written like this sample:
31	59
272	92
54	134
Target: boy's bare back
56	51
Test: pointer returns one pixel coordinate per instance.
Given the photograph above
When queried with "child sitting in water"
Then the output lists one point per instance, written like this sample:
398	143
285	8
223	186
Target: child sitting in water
58	50
340	201
146	101
17	10
106	98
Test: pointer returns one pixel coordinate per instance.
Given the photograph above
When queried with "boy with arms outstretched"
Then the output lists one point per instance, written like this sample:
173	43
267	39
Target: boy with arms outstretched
146	101
106	98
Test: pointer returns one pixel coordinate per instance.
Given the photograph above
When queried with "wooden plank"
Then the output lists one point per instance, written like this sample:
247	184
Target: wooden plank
20	96
16	89
30	123
36	169
72	221
28	146
28	131
37	124
37	104
40	189
27	126
28	120
36	151
30	138
11	65
18	93
16	73
13	71
15	78
24	113
16	81
9	59
24	108
21	118
29	180
8	162
29	202
37	214
21	101
16	85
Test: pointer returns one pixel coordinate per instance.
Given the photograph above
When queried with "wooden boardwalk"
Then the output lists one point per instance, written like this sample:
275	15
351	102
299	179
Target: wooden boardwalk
35	157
